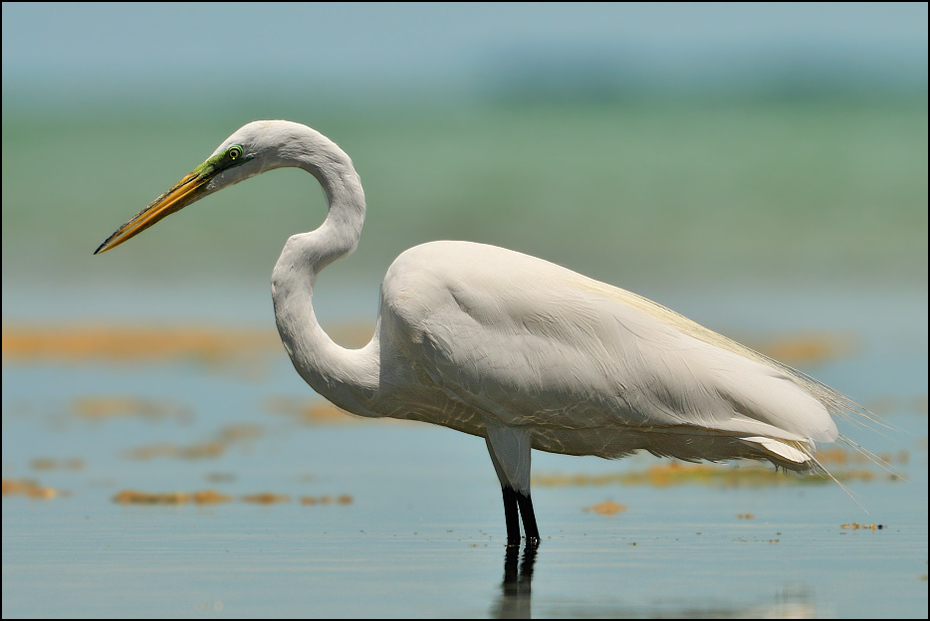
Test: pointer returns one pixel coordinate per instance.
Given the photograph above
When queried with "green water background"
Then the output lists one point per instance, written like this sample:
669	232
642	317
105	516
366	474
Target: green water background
795	192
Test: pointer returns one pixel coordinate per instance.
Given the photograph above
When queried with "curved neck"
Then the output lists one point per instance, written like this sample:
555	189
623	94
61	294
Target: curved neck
347	377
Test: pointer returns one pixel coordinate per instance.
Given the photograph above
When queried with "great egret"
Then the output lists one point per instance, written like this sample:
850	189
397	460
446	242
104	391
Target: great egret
511	348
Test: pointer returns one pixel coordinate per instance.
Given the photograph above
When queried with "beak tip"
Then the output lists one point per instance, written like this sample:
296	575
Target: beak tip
101	248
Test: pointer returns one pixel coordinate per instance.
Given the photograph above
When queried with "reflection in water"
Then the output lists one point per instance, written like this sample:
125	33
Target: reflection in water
514	602
793	601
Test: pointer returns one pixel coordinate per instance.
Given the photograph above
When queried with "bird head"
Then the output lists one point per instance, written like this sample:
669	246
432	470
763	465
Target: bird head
251	150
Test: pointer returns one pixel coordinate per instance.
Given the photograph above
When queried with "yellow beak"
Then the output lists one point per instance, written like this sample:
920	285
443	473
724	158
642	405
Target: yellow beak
184	192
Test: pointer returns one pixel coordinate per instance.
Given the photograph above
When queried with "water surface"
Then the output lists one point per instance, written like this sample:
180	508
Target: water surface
420	531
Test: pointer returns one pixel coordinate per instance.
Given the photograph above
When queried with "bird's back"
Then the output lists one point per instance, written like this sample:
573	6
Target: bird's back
590	368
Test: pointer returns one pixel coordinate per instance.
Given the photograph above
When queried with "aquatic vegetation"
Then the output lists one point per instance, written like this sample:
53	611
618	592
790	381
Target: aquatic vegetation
717	475
203	497
266	498
99	408
857	526
84	343
344	499
606	508
46	463
29	488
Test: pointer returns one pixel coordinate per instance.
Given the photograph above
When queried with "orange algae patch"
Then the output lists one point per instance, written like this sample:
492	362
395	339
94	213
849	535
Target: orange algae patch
808	348
745	516
316	412
204	450
46	463
238	433
313	413
266	498
842	457
28	488
326	413
665	474
857	526
345	499
210	497
678	473
133	497
120	344
315	500
104	408
607	508
204	497
352	335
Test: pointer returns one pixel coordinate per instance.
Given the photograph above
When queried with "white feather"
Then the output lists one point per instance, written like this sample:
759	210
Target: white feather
513	348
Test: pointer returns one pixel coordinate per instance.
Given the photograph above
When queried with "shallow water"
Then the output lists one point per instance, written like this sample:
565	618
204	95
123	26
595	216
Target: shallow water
419	531
635	195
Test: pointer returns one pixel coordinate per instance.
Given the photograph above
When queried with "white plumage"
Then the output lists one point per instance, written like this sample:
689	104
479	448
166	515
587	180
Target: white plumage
512	348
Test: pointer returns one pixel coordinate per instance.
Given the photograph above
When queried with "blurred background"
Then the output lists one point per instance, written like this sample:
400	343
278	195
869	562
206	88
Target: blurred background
761	168
647	145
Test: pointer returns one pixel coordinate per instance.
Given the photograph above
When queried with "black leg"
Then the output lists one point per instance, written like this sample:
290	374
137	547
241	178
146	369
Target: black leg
529	519
510	514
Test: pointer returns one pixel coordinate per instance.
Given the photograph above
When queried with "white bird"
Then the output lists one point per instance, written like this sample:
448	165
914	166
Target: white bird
511	348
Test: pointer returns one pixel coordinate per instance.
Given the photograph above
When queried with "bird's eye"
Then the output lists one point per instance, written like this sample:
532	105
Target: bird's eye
234	152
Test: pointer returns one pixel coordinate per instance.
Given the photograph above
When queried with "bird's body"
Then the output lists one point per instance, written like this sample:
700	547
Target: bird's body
512	348
481	335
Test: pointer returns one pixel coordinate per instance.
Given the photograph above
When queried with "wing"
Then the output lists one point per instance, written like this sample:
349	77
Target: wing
530	343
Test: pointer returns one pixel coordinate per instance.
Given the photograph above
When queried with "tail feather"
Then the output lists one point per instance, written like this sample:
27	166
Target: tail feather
799	453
